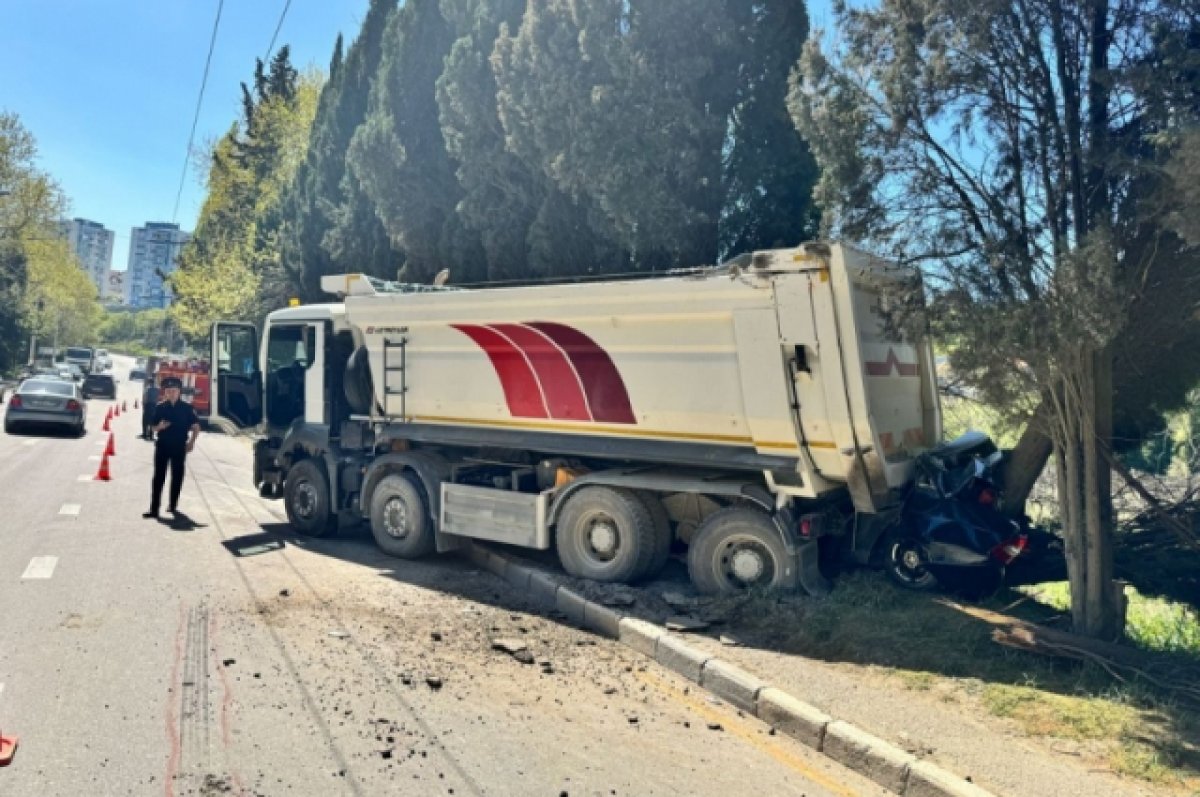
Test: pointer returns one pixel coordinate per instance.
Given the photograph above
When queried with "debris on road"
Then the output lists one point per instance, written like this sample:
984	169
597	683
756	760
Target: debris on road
515	648
683	623
434	682
339	634
732	642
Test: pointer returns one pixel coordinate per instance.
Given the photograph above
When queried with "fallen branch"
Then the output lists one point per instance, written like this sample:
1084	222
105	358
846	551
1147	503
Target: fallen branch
1121	662
1180	530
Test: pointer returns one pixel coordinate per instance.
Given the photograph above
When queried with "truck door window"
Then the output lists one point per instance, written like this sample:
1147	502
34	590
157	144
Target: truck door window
290	352
236	351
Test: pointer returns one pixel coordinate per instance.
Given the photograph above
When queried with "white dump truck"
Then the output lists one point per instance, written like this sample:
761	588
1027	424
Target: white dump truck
745	411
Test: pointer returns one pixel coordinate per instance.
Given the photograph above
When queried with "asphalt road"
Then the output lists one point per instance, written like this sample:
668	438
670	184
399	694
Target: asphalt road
221	654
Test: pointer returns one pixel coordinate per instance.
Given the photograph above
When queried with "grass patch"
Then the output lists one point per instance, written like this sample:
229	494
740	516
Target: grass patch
1151	623
1046	714
933	648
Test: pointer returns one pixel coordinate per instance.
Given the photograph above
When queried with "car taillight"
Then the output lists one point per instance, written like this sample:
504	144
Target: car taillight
72	405
987	497
15	401
1009	550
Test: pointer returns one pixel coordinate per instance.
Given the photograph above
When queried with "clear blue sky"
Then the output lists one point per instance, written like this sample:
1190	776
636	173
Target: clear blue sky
108	88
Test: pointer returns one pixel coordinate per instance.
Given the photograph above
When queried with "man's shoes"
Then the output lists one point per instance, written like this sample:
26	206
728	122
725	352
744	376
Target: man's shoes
150	514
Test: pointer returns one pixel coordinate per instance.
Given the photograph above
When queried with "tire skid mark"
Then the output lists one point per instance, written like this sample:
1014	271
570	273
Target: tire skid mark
350	779
381	674
171	710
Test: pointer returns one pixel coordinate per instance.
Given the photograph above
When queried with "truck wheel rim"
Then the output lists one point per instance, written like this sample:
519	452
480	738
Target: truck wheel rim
603	539
746	562
395	519
306	501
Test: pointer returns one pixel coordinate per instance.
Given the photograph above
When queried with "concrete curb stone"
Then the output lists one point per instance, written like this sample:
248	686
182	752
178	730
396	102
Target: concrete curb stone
867	754
640	635
929	780
793	717
885	764
543	588
518	575
601	619
570	604
677	655
732	683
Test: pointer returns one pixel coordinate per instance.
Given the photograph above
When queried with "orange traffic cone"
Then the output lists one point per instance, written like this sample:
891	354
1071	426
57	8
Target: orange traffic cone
103	475
135	404
111	449
107	423
8	748
116	411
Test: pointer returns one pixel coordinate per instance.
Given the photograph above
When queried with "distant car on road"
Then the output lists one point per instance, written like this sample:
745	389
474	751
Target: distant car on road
49	402
103	360
99	385
74	372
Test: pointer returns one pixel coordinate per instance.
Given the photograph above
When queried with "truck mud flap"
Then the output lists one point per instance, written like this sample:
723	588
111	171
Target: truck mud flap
808	570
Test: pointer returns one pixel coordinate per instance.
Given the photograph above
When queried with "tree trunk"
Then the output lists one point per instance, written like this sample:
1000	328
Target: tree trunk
1083	413
1027	461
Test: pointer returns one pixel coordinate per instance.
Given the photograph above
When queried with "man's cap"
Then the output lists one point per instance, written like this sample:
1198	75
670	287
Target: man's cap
172	381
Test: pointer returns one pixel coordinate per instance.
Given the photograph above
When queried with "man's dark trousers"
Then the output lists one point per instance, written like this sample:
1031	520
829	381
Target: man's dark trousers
173	454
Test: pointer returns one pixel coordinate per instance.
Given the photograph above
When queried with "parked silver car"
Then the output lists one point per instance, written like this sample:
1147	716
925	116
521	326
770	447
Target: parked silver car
49	402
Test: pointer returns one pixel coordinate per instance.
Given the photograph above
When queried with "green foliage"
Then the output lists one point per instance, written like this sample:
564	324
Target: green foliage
232	268
70	308
328	225
136	332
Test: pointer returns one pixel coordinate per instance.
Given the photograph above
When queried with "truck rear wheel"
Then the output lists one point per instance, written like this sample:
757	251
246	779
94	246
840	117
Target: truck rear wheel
737	549
663	535
306	499
605	534
399	518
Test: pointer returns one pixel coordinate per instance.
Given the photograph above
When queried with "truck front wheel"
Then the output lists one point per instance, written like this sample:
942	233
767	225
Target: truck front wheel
605	534
306	499
737	549
399	519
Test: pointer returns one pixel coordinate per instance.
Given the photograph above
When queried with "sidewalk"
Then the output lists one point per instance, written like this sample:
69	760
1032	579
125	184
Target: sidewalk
944	727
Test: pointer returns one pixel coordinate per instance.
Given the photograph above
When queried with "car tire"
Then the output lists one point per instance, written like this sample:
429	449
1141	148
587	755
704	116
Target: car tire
400	521
907	562
605	534
737	549
306	499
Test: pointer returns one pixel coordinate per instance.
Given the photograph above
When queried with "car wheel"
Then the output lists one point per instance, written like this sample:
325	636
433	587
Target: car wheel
738	549
907	563
306	499
605	534
400	521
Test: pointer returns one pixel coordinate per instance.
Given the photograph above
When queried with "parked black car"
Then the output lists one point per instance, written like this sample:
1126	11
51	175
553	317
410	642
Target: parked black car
99	385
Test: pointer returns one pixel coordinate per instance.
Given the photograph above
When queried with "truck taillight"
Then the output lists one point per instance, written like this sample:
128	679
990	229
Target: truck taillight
1009	550
806	526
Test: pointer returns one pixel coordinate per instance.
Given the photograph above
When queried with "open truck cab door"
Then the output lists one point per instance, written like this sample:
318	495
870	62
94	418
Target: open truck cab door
237	387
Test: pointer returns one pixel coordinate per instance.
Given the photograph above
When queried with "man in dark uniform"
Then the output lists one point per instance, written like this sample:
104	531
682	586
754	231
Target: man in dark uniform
177	427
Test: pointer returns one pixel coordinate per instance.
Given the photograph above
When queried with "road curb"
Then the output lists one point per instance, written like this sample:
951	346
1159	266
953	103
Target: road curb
887	765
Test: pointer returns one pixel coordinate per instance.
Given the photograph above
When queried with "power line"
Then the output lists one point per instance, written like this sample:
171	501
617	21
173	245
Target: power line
187	155
275	35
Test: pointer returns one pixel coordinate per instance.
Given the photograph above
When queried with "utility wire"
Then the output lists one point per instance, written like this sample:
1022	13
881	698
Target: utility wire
275	35
187	155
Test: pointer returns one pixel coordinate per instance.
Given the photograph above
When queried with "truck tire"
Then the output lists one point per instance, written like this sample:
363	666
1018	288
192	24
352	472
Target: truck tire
306	499
736	549
663	536
605	534
400	519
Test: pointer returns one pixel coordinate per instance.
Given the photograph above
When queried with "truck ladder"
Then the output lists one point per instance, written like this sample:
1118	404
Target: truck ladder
390	367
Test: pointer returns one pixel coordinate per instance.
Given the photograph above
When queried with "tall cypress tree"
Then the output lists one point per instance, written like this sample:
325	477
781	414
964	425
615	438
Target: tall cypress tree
399	154
769	172
329	228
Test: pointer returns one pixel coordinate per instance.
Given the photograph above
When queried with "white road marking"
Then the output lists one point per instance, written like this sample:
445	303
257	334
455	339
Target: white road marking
41	567
30	442
94	458
86	477
70	509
